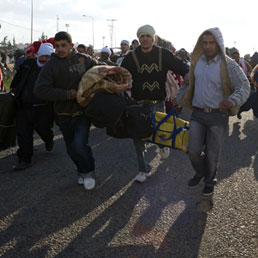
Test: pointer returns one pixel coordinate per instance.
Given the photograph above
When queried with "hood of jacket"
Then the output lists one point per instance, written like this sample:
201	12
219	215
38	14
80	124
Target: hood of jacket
198	49
197	53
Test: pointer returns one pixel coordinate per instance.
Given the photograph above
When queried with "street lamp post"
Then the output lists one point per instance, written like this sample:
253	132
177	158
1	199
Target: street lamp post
92	19
67	26
31	29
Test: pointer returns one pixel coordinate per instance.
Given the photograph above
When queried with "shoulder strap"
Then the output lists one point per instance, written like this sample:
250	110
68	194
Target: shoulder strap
136	61
138	64
160	59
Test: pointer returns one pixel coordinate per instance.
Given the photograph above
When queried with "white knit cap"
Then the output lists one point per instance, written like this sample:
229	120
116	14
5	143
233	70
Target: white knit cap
106	50
146	30
46	49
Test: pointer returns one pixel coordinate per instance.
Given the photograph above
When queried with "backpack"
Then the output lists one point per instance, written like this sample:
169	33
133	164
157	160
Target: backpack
136	121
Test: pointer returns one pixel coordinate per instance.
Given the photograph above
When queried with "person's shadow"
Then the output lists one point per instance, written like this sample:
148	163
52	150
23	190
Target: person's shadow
240	149
47	214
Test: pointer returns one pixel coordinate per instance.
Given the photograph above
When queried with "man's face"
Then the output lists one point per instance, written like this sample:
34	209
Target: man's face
235	56
124	47
104	55
146	41
89	51
135	45
43	59
63	48
81	50
29	54
210	46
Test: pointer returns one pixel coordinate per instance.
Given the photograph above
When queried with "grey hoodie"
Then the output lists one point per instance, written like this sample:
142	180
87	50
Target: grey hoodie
236	86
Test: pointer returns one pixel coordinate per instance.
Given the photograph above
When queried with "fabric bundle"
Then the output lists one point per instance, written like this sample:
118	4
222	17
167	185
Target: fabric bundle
111	79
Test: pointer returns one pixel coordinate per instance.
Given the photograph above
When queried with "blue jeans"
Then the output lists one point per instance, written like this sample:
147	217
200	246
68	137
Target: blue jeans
76	133
140	147
206	135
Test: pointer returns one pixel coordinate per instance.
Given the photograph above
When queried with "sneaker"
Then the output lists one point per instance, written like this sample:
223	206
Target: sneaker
194	181
141	177
21	165
164	152
49	145
89	183
80	180
208	190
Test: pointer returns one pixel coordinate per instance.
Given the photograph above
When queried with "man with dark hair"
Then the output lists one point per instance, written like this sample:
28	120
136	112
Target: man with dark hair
59	82
81	49
149	65
218	86
134	44
125	47
247	68
90	51
32	113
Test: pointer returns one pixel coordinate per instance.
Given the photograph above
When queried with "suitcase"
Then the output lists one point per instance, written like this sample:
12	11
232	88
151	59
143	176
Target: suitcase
170	131
7	121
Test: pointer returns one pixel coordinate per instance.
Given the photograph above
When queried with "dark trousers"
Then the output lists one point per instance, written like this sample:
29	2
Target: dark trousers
206	135
76	133
28	119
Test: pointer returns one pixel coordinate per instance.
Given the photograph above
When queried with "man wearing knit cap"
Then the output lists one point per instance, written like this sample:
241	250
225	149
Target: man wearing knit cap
32	113
125	46
105	56
149	65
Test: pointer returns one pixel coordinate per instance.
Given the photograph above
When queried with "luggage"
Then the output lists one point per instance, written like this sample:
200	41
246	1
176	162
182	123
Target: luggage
105	109
7	120
254	59
135	123
170	131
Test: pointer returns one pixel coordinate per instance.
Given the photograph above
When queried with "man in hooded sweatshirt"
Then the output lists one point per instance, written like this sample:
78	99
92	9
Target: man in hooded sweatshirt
58	82
32	113
218	87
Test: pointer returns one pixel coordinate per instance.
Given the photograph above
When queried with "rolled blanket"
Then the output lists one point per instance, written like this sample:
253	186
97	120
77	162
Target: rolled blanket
112	79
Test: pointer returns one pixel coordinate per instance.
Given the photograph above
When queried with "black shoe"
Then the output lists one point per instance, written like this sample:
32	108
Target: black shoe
194	181
208	190
148	168
239	116
22	165
49	145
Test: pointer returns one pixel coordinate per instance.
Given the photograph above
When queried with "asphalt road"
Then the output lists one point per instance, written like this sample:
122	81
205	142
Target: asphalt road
44	213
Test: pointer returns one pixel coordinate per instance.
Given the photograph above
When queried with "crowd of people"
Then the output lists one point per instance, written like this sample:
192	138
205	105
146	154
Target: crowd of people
207	81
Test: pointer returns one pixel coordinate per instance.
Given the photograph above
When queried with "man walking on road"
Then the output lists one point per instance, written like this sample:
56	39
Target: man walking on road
218	86
59	82
149	65
32	113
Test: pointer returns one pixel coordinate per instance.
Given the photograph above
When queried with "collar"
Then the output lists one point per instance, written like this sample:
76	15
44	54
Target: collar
124	53
216	59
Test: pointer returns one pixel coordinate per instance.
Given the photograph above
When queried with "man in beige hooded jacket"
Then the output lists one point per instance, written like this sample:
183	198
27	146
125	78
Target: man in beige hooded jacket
218	86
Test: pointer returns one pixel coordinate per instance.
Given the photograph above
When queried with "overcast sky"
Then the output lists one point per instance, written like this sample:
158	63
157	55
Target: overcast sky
180	22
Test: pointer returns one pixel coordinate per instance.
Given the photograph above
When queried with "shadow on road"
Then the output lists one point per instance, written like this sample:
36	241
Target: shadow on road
44	213
240	150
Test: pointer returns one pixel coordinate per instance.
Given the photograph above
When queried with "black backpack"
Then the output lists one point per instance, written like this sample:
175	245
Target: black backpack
136	121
